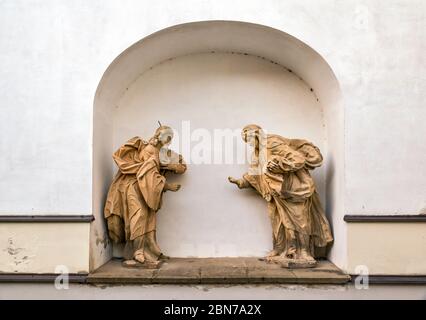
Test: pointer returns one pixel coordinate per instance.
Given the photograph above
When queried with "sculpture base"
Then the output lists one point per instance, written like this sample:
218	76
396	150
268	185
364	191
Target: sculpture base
145	265
193	271
292	263
297	263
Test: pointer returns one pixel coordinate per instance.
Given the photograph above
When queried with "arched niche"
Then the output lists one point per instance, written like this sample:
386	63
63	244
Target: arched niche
218	74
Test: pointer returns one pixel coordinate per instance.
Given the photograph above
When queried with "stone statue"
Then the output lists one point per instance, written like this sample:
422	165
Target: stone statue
279	172
135	195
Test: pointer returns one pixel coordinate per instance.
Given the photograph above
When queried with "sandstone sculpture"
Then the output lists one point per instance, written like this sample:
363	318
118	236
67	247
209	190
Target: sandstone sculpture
135	195
279	171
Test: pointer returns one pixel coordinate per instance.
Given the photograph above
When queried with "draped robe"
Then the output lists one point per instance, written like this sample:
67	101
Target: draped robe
293	203
135	196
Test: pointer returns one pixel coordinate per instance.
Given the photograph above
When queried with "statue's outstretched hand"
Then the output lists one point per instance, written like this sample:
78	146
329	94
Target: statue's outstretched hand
233	180
239	182
172	187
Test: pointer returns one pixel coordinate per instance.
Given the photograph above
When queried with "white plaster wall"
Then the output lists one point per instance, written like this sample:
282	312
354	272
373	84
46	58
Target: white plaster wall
387	248
44	247
209	216
54	52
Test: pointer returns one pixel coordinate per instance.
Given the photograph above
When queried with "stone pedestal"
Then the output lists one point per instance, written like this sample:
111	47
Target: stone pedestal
218	271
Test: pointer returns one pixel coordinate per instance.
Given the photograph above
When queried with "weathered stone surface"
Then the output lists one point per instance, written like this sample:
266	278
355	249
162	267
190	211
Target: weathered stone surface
223	274
114	272
297	263
178	270
223	271
269	276
256	263
218	271
324	273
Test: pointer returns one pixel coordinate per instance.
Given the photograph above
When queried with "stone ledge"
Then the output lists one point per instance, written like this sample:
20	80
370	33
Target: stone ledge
217	271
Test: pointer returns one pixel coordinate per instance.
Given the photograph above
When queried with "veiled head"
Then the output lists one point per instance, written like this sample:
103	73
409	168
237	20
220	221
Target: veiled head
250	133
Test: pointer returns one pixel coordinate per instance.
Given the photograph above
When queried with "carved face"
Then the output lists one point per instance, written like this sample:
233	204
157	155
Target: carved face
250	134
165	136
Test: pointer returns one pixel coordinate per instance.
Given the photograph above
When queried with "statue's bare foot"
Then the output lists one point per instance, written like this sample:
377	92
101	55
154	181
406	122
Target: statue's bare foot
290	253
293	260
139	258
272	253
163	257
305	255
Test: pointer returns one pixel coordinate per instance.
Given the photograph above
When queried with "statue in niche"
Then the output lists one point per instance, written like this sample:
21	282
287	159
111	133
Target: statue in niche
279	172
135	196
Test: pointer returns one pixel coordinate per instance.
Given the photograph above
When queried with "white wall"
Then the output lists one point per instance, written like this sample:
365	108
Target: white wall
209	216
54	53
44	247
400	248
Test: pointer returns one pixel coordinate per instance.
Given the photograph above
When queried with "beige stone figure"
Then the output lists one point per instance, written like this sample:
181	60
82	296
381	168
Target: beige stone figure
135	195
279	171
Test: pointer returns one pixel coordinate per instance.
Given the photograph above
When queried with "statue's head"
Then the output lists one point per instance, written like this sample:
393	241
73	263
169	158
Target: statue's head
163	136
252	133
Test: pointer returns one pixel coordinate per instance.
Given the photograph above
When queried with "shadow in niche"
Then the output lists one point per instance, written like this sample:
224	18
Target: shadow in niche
329	174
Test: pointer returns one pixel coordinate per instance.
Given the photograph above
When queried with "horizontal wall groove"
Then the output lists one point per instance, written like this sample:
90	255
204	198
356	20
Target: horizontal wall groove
82	278
46	218
394	279
385	218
